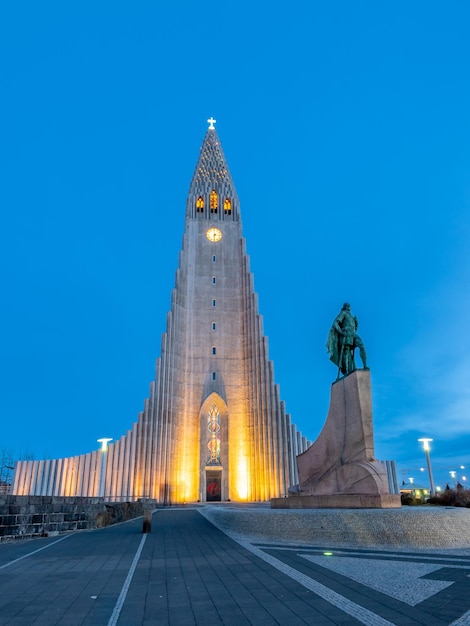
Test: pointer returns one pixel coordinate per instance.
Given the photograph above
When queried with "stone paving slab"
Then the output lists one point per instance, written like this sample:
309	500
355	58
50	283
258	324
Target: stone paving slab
203	577
187	571
59	584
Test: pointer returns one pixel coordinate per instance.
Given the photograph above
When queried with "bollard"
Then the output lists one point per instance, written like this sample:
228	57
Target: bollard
147	525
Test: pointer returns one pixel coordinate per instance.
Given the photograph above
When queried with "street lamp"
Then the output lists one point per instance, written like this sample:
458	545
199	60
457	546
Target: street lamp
104	441
426	441
453	473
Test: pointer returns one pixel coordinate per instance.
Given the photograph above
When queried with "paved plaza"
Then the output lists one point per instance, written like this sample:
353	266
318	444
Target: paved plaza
187	571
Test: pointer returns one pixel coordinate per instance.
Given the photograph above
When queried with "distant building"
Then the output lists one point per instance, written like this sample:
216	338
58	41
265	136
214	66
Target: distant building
214	426
414	489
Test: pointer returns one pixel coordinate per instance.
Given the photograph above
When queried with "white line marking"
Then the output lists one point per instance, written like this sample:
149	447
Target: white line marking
25	556
369	555
125	588
341	602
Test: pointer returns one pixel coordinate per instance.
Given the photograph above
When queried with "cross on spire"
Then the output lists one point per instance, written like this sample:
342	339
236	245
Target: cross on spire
211	121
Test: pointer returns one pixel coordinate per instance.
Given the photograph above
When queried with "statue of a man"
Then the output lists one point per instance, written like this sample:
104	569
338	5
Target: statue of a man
343	340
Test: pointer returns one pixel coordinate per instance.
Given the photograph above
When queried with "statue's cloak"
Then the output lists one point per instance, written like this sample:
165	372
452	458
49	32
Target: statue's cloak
333	345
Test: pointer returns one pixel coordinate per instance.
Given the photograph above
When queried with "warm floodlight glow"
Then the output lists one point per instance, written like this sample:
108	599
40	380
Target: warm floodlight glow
104	443
187	486
242	479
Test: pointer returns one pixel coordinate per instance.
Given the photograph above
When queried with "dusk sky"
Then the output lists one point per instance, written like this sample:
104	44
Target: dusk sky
346	127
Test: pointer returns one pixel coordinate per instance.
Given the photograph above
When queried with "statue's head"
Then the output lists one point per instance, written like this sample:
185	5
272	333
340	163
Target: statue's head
346	306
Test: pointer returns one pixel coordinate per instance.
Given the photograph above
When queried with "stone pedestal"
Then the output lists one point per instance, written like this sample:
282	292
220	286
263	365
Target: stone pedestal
339	470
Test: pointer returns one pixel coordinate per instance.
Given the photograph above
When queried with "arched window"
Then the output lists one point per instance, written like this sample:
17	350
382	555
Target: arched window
200	205
214	201
227	207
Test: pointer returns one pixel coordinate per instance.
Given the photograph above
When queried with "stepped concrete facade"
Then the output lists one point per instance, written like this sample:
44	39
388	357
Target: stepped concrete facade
214	427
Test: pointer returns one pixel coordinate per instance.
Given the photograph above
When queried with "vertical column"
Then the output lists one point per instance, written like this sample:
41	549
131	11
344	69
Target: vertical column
104	441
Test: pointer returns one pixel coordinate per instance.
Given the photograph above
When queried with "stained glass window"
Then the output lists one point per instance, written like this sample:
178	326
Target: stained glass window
213	436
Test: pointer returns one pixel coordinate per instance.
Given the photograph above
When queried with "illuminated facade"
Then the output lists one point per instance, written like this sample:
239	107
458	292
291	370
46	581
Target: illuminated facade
213	427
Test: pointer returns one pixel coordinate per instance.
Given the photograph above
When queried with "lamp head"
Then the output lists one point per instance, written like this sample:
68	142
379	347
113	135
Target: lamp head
425	441
104	443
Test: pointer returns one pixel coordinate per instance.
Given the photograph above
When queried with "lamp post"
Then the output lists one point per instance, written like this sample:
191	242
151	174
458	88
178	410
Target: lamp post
426	441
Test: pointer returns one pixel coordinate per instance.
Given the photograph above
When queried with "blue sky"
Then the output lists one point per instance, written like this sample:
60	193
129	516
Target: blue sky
346	127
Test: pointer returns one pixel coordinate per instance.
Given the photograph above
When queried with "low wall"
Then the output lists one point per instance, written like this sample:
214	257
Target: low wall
36	516
339	501
421	527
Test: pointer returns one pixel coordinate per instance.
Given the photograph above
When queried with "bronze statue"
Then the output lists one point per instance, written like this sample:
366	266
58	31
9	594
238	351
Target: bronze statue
343	340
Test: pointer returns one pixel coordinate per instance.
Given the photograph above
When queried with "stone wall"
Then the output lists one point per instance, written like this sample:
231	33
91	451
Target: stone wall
420	527
39	516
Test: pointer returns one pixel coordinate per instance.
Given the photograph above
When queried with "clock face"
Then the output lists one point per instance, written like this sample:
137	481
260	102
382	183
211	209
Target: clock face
214	234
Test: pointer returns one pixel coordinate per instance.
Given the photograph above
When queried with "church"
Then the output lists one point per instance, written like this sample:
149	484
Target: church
214	427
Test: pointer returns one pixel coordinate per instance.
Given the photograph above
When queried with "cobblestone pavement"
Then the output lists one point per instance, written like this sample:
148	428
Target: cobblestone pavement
186	571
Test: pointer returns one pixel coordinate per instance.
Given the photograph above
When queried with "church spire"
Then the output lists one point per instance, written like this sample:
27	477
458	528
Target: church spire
212	193
214	426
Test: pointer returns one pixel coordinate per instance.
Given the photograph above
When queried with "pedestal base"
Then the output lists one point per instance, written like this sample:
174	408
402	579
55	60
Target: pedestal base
339	470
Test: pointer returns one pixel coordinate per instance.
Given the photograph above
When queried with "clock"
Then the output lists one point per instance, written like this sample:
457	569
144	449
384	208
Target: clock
214	234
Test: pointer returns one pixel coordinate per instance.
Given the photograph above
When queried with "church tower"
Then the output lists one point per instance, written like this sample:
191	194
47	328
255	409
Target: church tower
214	427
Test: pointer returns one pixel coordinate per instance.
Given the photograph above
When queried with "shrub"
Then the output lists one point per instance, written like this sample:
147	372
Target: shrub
408	499
452	497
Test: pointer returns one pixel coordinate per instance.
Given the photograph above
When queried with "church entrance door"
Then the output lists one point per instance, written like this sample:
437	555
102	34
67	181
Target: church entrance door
213	486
